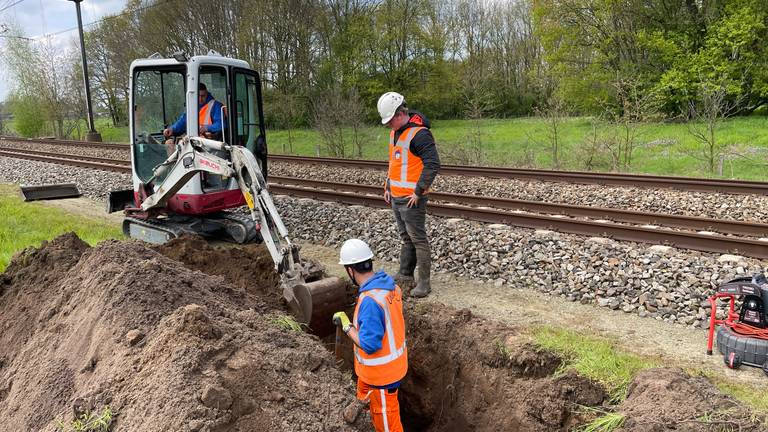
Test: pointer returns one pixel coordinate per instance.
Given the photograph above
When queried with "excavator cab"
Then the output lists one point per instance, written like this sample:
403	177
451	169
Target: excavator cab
185	183
164	93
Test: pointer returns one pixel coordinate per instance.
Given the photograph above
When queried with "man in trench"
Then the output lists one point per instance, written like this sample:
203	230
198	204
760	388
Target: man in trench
378	334
413	166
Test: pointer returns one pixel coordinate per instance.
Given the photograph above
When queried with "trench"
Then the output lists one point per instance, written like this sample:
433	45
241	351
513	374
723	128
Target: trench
467	373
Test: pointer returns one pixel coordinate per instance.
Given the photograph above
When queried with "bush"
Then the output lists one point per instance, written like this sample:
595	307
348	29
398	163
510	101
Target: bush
27	119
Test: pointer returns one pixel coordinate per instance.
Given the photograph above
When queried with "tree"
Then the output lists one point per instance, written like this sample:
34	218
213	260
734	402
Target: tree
635	105
3	110
713	107
42	73
554	112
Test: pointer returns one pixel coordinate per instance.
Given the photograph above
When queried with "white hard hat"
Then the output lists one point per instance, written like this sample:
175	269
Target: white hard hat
388	103
354	251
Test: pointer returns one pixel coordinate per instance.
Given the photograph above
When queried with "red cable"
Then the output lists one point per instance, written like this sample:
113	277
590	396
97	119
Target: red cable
748	330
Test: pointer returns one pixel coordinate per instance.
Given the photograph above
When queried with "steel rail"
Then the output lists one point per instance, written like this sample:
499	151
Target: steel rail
584	177
70	143
115	165
355	195
67	156
680	239
614	215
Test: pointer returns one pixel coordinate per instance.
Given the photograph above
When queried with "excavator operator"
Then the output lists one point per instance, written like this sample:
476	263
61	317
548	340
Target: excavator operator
209	117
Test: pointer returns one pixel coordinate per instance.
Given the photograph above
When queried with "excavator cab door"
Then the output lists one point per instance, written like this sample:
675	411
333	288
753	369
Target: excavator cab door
247	115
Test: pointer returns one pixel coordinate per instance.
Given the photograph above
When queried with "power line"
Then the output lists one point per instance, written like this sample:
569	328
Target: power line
141	9
11	5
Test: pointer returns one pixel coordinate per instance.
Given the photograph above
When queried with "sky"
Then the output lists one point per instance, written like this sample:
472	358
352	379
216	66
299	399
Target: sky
42	17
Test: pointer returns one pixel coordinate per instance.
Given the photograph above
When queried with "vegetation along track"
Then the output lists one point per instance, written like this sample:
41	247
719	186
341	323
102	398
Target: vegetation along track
615	179
617	224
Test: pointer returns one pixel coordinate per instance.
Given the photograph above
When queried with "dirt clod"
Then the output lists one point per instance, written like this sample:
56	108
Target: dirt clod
215	396
134	336
352	411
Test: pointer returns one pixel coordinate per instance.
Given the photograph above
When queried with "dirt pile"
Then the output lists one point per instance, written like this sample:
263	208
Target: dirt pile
669	399
249	267
466	373
167	348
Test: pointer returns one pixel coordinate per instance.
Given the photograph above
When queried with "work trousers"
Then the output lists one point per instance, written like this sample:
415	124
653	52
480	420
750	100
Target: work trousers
385	409
411	224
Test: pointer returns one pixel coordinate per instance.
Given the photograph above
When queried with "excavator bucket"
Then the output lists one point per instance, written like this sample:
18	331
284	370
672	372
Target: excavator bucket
314	303
49	191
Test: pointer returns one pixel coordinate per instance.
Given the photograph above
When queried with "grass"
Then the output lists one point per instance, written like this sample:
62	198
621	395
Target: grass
88	422
664	148
605	422
287	323
28	224
595	358
756	398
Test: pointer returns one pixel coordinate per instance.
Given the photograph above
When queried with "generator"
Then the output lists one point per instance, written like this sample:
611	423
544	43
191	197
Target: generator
742	334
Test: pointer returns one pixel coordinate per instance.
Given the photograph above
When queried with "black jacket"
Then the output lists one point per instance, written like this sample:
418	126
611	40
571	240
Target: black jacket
423	146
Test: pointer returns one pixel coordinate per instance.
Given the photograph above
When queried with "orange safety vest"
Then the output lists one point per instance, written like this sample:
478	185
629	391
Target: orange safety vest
390	363
204	117
404	167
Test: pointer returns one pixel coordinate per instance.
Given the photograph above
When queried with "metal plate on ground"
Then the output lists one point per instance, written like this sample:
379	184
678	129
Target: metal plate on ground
148	234
51	191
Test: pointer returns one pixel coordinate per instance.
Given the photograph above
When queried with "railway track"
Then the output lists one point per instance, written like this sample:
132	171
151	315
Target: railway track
585	177
117	165
613	223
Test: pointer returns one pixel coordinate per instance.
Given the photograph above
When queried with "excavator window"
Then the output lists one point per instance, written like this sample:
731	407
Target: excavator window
158	101
215	80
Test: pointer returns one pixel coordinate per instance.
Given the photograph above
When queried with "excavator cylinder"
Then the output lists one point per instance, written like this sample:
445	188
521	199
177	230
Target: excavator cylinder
316	302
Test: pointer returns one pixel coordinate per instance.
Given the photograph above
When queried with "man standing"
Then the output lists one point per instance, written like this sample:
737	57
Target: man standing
413	166
378	334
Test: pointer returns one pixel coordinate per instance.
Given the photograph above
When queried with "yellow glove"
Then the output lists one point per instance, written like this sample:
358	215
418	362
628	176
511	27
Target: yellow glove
341	318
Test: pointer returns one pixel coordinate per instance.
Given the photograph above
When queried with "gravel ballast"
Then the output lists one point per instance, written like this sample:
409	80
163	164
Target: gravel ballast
671	201
651	281
93	184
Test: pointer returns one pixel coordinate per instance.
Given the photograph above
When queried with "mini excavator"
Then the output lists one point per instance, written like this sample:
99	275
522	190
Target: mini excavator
192	184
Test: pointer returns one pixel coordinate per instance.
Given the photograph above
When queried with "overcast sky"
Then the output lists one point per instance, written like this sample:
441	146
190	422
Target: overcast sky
41	17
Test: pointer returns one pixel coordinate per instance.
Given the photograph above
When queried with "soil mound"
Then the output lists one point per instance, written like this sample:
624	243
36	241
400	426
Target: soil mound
167	348
249	267
669	399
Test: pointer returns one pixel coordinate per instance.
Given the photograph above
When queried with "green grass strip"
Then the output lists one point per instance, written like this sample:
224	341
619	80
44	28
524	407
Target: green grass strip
594	357
28	224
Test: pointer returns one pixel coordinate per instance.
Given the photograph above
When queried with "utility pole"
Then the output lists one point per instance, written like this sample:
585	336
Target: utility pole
92	135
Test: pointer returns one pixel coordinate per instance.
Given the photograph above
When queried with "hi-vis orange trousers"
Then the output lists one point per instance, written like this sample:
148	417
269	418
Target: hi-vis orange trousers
385	410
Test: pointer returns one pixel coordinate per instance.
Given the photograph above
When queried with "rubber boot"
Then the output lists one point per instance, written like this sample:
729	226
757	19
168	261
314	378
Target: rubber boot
407	264
423	287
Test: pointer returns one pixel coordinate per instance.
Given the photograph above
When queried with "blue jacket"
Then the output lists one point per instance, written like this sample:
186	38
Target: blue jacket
370	316
180	126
